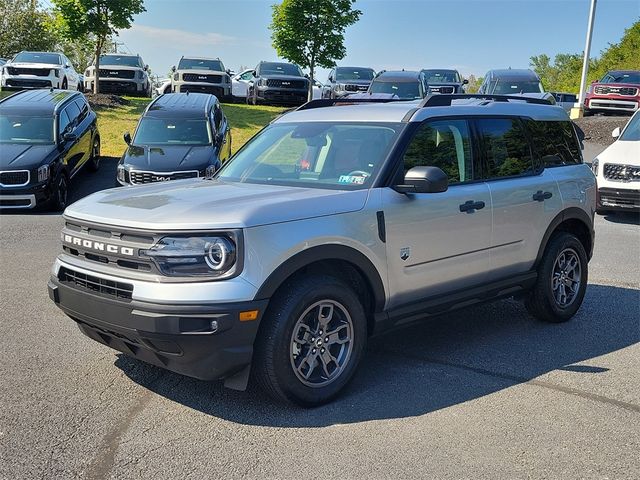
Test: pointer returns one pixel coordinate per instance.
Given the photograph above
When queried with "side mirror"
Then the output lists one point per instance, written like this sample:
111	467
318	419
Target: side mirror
173	69
306	75
69	137
465	82
127	138
424	180
616	132
146	68
254	73
228	71
66	65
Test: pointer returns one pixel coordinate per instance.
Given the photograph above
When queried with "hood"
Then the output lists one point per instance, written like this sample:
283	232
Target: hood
211	204
168	158
43	66
283	77
622	152
202	72
354	82
14	156
115	67
445	84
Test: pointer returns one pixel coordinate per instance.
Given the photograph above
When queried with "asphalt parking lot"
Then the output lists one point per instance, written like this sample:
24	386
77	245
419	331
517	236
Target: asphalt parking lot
482	393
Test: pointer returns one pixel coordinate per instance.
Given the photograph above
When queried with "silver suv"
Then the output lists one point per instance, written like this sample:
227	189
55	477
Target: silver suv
202	75
332	224
120	73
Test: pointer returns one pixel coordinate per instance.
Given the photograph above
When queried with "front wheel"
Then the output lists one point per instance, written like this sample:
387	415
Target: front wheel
311	340
94	160
562	280
60	193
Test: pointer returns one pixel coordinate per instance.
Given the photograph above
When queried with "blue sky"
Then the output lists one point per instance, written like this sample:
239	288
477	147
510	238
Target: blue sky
470	35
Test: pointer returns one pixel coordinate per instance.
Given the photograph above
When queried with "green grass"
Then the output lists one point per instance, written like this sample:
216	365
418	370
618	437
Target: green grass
245	121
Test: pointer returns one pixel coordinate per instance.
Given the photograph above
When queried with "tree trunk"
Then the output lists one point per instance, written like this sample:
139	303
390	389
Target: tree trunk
312	67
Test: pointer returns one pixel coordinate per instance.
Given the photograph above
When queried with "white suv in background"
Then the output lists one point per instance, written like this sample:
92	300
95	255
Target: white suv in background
617	170
39	70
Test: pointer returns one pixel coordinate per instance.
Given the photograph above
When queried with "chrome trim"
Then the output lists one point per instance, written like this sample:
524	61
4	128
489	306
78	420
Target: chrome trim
31	198
16	184
160	174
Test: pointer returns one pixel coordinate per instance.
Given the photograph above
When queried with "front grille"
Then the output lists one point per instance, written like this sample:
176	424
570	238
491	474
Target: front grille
197	77
627	91
27	83
114	86
14	178
276	83
38	72
108	73
621	173
110	288
356	88
137	176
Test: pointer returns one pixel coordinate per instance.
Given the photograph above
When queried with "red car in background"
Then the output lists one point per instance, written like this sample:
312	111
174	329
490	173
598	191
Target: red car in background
618	91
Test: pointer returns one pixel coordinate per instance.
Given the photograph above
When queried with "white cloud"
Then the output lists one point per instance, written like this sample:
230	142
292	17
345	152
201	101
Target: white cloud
170	36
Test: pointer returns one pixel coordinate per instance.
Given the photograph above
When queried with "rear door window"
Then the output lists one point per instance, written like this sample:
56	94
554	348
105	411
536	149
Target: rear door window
505	148
64	123
555	143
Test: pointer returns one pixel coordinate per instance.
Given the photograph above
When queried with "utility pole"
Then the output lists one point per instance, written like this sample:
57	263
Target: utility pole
115	46
578	109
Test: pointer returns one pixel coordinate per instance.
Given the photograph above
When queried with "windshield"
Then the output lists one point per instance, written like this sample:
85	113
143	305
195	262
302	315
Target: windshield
404	90
195	64
279	69
339	156
118	60
632	132
30	57
502	87
627	77
442	76
345	74
26	129
161	131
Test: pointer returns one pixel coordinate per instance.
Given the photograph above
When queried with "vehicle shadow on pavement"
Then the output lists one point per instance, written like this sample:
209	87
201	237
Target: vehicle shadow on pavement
86	182
442	362
626	218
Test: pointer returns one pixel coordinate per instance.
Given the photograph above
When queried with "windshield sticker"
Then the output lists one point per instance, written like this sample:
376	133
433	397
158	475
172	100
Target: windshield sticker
351	179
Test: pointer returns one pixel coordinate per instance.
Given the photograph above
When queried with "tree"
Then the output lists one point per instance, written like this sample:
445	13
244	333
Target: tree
100	18
311	32
24	27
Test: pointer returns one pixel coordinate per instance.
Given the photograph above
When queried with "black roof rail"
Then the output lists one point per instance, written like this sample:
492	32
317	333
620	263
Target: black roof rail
444	100
331	102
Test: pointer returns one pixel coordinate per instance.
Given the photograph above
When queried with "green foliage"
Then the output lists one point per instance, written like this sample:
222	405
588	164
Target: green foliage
474	84
95	19
311	32
563	74
23	27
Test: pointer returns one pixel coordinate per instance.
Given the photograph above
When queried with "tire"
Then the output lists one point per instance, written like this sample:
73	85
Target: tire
94	161
546	303
296	311
60	193
64	84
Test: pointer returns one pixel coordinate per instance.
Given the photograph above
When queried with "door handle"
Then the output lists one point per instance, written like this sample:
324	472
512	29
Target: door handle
541	196
471	206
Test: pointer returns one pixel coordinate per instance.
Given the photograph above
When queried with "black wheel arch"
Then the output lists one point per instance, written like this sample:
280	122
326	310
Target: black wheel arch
330	259
572	220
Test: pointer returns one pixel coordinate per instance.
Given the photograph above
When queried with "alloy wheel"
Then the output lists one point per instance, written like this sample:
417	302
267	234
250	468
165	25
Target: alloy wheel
565	277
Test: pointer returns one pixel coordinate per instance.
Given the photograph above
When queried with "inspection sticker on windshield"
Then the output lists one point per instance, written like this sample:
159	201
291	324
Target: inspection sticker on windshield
352	179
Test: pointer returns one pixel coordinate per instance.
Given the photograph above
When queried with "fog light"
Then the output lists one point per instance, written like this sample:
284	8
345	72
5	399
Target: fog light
214	326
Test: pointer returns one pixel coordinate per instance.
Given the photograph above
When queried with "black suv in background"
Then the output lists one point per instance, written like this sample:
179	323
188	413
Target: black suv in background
343	81
180	135
401	84
279	83
444	81
46	137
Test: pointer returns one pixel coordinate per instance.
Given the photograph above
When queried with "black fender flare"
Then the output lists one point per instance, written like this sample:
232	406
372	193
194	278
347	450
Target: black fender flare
320	253
571	213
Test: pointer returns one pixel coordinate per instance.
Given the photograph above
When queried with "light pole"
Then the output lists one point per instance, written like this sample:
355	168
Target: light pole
578	108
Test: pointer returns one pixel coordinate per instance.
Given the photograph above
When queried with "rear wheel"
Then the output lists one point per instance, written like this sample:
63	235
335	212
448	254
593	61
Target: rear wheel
64	84
94	160
561	282
311	340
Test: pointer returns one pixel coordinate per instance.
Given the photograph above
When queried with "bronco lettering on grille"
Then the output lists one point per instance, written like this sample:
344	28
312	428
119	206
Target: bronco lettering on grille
99	246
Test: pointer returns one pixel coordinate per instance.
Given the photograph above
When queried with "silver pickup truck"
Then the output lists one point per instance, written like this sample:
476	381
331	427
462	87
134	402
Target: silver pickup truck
336	222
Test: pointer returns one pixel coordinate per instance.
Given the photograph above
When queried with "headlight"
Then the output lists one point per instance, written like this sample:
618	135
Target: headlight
339	87
56	73
211	169
43	173
87	73
227	79
140	74
176	76
121	173
594	166
206	256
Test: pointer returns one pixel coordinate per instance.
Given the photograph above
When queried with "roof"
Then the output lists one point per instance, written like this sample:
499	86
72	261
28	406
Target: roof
439	70
189	57
398	76
39	101
183	105
623	71
395	112
513	73
113	54
348	67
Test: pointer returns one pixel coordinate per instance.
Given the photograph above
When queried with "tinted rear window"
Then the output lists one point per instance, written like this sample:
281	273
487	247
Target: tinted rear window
555	143
506	148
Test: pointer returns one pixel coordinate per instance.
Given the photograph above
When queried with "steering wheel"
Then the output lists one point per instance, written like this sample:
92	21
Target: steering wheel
359	173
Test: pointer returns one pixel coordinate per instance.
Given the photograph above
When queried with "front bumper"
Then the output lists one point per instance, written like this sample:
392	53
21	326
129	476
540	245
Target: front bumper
220	90
117	86
612	104
20	82
25	197
179	338
618	199
281	95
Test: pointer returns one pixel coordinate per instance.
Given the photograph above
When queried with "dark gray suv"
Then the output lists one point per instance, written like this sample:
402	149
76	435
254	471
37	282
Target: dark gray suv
278	83
444	81
343	81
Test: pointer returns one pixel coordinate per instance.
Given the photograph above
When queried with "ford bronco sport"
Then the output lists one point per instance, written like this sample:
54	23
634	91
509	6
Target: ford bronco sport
332	224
